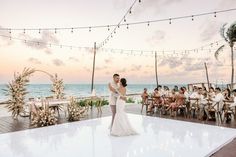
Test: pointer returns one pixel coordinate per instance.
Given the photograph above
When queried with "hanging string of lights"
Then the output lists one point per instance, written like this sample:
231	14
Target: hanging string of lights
44	43
123	19
205	48
110	26
161	20
134	52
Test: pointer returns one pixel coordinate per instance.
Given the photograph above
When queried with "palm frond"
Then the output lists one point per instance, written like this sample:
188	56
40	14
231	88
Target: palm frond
218	52
222	32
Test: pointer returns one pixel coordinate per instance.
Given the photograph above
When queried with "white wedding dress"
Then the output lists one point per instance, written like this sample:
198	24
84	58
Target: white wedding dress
121	125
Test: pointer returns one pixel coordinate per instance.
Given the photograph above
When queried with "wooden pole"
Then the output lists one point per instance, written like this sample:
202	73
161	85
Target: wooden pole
207	76
156	68
232	64
94	60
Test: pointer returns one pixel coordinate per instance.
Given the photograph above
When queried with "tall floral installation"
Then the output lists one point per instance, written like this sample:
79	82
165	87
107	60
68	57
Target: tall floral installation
16	91
57	87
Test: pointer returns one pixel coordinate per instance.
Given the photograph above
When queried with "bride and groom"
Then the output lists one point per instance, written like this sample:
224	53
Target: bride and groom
120	125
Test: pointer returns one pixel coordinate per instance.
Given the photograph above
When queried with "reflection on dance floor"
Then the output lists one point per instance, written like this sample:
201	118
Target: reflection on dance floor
90	138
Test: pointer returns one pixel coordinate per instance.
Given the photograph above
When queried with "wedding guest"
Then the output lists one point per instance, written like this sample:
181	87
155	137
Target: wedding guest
195	93
176	89
211	92
160	90
217	101
144	95
180	98
203	103
157	100
166	91
226	94
234	98
186	93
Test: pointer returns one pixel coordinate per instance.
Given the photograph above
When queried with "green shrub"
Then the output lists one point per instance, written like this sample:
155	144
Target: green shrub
130	100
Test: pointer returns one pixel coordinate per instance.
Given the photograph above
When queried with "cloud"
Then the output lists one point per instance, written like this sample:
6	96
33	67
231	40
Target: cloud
172	62
74	59
210	30
156	37
42	43
34	60
57	62
101	68
122	70
226	4
135	67
194	67
87	69
107	61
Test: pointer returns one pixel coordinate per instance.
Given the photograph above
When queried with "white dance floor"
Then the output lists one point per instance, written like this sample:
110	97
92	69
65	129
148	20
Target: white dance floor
90	138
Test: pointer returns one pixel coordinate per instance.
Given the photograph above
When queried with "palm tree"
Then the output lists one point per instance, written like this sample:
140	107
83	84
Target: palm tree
230	37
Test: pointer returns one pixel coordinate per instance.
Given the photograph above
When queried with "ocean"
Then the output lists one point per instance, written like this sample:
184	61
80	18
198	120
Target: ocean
78	90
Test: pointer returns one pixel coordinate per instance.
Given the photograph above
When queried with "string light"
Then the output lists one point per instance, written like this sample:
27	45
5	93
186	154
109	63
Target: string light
39	31
127	26
55	31
108	28
89	29
192	18
169	21
10	31
72	30
24	31
148	23
130	11
124	19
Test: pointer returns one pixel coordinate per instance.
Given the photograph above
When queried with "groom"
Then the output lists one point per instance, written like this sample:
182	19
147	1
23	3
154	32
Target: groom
113	88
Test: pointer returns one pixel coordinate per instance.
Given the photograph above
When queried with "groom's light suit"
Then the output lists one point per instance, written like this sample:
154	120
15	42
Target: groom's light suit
113	96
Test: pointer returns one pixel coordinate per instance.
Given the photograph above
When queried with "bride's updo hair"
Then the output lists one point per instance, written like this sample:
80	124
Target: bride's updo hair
123	82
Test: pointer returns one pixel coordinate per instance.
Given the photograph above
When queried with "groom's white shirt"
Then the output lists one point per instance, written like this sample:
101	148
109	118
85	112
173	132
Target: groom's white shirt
113	96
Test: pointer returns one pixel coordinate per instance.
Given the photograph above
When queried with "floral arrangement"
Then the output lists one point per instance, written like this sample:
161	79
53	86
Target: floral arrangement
74	111
16	91
57	87
45	116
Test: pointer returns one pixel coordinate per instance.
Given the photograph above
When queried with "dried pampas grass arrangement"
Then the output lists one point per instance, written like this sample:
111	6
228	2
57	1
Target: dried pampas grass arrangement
45	116
57	87
16	91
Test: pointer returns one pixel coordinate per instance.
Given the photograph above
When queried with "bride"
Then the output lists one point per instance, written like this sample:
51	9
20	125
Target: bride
121	125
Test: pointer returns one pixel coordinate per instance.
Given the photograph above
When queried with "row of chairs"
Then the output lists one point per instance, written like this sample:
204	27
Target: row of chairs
191	108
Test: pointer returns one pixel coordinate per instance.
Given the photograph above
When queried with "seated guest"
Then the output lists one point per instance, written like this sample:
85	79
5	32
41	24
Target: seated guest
226	94
203	103
186	93
234	98
195	93
170	98
180	98
166	91
217	101
160	90
144	95
211	92
176	89
194	97
157	100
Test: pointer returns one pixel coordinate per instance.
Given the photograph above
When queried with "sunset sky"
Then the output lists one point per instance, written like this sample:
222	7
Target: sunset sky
75	66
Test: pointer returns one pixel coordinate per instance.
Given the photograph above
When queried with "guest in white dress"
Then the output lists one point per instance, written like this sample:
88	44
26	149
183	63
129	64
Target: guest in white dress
121	125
